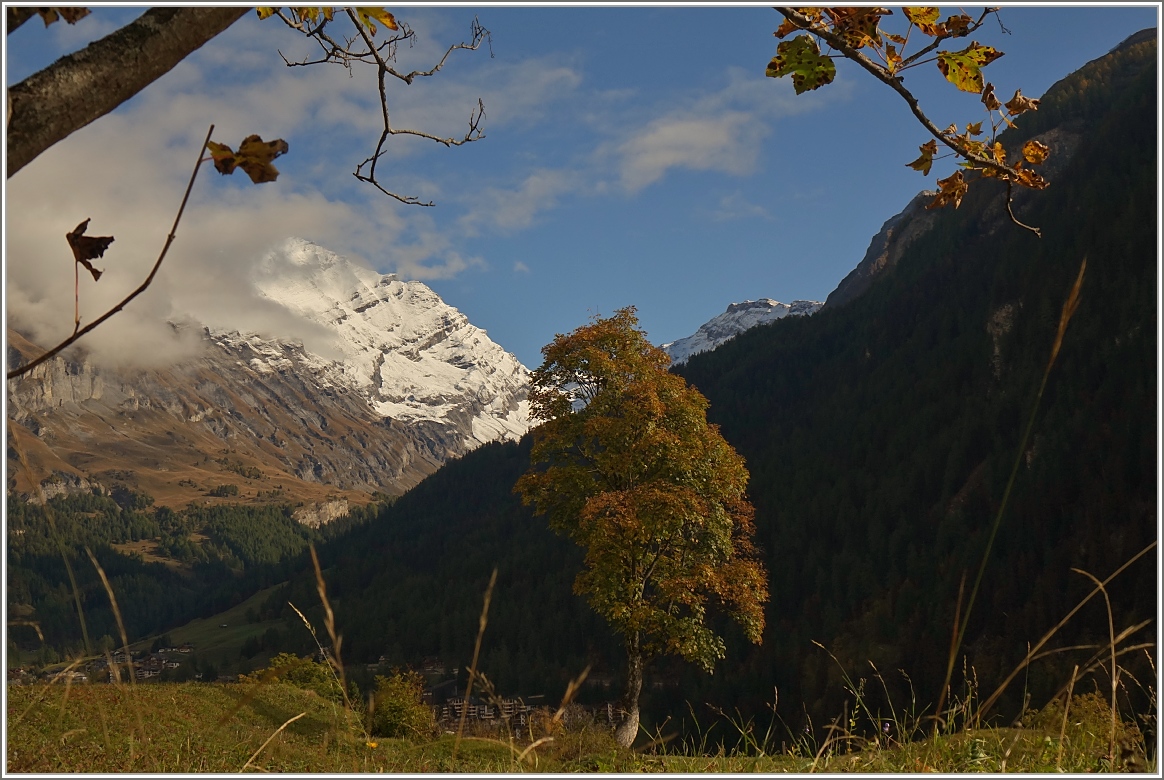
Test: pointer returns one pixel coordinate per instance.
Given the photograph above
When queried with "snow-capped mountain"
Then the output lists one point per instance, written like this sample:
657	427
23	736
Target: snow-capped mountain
408	353
738	318
399	383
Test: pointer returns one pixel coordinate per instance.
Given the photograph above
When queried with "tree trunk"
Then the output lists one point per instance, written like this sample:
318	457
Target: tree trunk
629	729
86	85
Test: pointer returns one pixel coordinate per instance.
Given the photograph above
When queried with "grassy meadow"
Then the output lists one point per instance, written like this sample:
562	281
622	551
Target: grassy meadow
278	727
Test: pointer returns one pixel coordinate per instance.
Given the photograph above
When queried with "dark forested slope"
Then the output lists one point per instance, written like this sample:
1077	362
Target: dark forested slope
879	435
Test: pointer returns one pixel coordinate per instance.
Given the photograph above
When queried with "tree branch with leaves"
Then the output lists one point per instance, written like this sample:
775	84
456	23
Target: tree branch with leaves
849	31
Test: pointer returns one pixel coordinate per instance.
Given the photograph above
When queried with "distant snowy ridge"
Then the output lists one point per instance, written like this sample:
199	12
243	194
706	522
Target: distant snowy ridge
409	354
738	318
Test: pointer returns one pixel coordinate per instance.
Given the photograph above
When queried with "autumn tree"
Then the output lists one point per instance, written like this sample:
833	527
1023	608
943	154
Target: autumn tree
626	465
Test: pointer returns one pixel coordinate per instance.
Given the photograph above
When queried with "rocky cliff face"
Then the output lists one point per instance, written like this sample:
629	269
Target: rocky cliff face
414	384
886	248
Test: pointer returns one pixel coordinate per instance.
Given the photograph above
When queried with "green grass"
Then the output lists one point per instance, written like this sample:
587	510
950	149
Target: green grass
175	727
199	727
222	645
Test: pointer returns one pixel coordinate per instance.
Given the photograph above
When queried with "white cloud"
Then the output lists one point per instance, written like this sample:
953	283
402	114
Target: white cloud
719	130
507	210
728	143
520	267
736	206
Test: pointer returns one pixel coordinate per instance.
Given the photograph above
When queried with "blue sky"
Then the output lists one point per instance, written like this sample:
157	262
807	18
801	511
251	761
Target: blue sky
633	155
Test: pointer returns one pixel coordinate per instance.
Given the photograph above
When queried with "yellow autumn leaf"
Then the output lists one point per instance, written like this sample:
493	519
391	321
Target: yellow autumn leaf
999	153
71	14
254	157
963	68
1020	103
787	26
1027	178
923	163
921	14
1035	152
951	189
266	10
989	99
368	16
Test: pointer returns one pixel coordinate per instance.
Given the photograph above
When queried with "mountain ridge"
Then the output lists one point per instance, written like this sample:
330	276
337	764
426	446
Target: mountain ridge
411	384
738	318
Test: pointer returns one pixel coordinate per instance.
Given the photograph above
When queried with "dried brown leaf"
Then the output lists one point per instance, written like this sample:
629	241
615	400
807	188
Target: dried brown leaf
87	248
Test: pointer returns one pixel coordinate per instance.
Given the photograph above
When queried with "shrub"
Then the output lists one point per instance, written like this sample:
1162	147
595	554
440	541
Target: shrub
306	673
397	708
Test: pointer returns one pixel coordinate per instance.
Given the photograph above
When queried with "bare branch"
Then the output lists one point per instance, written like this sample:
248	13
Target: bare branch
1013	218
140	289
362	49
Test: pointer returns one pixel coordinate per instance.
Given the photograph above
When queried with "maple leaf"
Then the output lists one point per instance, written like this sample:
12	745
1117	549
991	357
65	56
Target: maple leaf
975	148
858	27
925	18
1020	104
974	128
266	10
951	189
963	68
801	58
921	15
1027	177
892	58
957	26
369	16
314	13
70	14
787	26
1035	152
86	248
923	163
254	157
989	99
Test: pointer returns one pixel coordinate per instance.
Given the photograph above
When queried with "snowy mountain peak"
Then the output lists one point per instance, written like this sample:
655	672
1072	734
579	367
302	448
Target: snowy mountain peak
413	357
738	318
